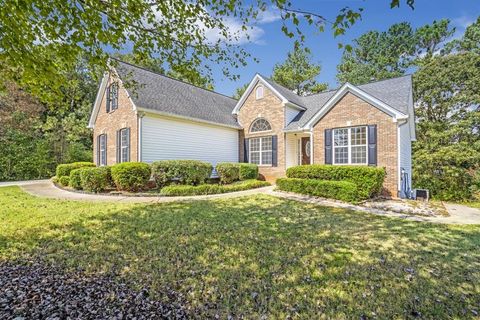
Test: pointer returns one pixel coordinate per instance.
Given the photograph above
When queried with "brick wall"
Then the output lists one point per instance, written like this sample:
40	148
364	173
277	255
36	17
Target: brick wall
271	108
358	112
109	123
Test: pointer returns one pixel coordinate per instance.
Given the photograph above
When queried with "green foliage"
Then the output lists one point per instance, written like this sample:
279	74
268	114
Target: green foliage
298	73
76	179
131	176
204	189
95	179
65	169
228	172
64	181
191	172
369	180
240	91
248	171
340	190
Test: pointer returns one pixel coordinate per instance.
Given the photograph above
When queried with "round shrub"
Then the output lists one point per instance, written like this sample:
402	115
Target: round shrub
228	172
95	179
76	179
65	169
191	172
248	171
131	176
64	180
340	190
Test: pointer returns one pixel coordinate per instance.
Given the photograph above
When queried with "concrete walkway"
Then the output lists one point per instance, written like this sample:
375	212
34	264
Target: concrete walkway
20	183
459	214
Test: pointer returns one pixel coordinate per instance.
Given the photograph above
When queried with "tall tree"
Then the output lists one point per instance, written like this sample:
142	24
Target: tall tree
298	72
42	39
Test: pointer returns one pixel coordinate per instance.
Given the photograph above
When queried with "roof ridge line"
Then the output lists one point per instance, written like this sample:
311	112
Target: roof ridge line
168	77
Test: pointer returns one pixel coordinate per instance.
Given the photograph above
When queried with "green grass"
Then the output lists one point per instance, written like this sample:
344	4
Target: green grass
257	255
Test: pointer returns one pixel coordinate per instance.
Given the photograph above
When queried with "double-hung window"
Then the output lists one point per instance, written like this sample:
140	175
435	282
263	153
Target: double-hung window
102	150
350	145
124	145
261	150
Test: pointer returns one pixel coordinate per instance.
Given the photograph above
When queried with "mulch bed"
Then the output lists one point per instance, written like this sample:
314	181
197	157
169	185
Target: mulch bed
39	291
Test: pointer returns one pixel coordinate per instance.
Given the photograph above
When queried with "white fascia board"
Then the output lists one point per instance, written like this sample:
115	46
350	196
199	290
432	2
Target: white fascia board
347	87
171	115
411	109
295	106
98	100
258	78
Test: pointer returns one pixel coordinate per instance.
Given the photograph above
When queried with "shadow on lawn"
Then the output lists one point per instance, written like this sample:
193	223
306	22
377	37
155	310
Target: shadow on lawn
262	255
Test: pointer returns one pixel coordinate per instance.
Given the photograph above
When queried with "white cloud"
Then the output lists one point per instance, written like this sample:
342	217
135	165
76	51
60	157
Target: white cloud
237	35
268	16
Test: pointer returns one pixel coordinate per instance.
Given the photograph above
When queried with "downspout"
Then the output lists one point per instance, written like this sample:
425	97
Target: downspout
139	146
311	146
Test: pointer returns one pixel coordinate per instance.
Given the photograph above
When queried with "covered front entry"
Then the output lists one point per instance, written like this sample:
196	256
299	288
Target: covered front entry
298	149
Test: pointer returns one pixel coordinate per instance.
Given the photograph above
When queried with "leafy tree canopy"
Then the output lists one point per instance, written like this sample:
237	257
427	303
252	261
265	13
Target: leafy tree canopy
42	40
298	72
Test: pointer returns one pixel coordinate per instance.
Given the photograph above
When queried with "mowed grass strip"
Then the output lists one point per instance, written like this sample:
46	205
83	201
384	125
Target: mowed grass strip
256	256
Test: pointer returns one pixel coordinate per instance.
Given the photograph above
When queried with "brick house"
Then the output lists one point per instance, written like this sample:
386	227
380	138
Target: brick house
155	117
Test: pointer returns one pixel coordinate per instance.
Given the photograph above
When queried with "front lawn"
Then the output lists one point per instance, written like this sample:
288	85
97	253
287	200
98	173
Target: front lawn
256	255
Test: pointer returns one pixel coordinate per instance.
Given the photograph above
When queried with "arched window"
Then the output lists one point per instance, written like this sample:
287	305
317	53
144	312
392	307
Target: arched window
260	125
259	92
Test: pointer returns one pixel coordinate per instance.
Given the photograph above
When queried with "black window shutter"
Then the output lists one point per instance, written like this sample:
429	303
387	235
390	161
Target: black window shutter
98	150
128	144
106	159
118	149
246	150
372	145
274	151
108	99
328	146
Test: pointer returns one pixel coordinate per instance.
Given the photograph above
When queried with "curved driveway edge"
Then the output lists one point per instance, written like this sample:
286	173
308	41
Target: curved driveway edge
49	190
459	214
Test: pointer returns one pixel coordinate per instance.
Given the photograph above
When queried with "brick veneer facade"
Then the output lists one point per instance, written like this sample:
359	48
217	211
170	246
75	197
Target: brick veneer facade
109	123
353	111
271	108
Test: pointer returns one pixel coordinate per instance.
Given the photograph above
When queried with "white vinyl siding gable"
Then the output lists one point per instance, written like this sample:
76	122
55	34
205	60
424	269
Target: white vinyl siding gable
166	138
290	114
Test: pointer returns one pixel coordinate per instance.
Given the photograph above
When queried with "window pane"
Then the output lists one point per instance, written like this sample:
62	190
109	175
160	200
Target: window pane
359	136
267	143
340	137
341	155
260	125
255	144
359	154
255	157
267	157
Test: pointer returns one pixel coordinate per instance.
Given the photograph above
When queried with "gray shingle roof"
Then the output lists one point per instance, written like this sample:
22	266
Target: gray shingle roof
286	93
395	92
157	92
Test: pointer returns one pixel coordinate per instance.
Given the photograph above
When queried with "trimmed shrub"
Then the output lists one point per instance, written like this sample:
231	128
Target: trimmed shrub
95	179
228	172
248	171
64	180
340	190
204	189
191	172
369	180
76	179
65	169
131	176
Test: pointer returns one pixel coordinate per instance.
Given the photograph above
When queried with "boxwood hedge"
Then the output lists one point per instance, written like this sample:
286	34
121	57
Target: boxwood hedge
131	176
204	189
95	179
65	169
190	172
369	180
340	190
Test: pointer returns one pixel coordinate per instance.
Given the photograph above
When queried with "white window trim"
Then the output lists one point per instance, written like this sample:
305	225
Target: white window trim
122	146
349	145
257	96
260	152
263	131
112	85
102	152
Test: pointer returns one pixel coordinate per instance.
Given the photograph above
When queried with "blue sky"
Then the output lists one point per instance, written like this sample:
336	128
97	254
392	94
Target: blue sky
270	45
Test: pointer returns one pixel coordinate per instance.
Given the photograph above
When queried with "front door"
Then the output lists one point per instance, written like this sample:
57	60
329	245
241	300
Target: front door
306	150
